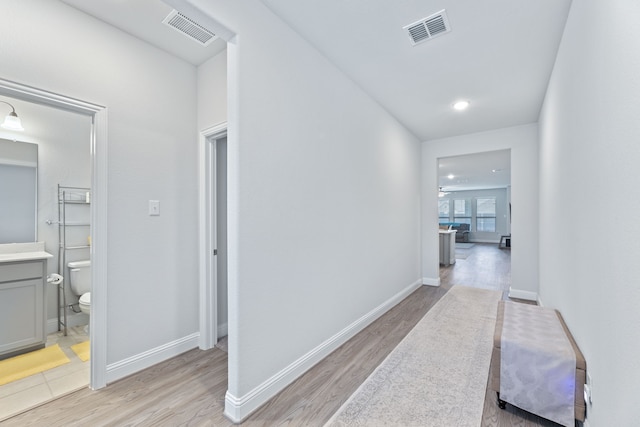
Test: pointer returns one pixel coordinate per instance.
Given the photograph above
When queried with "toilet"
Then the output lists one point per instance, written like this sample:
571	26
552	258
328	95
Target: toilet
80	281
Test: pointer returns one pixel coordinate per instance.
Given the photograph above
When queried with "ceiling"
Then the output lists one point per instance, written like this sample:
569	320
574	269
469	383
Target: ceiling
143	19
475	171
498	55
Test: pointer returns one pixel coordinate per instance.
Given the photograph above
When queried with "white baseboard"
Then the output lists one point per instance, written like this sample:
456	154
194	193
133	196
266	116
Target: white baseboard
519	294
238	408
133	364
430	281
75	319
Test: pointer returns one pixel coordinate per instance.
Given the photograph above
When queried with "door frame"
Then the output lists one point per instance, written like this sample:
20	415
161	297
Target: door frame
208	235
98	249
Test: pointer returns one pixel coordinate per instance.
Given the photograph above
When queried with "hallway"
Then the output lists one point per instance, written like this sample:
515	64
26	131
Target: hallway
483	265
189	389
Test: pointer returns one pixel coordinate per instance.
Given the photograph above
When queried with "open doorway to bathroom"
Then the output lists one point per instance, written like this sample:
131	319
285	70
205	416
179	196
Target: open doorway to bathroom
49	356
474	198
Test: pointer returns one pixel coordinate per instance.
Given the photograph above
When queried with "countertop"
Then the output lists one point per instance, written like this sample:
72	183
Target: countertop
11	252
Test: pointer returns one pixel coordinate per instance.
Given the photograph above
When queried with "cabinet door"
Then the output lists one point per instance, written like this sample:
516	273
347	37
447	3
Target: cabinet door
21	314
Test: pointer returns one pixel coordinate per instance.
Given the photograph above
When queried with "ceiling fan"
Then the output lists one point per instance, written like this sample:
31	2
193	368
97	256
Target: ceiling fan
441	193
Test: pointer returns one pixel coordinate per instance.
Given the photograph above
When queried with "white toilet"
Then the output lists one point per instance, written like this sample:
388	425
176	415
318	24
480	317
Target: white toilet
80	281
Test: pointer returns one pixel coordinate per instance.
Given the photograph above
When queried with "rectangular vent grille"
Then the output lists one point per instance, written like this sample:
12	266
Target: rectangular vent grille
428	28
189	28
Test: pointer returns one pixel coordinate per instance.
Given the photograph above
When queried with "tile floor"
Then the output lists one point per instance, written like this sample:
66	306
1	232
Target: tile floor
20	395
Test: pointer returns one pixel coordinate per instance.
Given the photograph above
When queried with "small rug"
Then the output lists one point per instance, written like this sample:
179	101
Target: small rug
461	255
82	350
465	245
437	375
24	365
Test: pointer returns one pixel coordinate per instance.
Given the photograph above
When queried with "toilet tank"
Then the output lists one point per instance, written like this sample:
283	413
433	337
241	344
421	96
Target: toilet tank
80	276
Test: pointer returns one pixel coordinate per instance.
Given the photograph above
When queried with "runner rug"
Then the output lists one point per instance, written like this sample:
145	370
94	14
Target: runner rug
437	375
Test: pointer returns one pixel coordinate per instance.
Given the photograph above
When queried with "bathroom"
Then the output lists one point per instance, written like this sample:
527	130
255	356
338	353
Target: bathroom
61	143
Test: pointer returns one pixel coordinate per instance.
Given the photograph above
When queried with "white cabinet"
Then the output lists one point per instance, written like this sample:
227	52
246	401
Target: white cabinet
22	306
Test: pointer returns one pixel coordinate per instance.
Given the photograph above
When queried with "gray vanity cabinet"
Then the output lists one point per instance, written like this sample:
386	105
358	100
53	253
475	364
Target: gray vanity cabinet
22	306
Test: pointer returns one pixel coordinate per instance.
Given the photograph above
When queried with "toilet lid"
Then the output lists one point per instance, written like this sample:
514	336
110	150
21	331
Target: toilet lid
85	299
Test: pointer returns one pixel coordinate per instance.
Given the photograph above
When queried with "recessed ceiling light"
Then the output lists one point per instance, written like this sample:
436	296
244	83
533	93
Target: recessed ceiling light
461	105
496	170
451	176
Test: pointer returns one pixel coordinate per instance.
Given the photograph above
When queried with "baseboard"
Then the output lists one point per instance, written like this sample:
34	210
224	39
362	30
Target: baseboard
133	364
429	281
75	319
519	294
223	330
238	408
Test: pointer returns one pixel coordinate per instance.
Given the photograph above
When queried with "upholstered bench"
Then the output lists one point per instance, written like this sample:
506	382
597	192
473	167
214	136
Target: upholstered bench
581	364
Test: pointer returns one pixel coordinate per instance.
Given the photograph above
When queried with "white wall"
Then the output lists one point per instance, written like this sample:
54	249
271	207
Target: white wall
212	91
151	100
323	208
589	233
523	143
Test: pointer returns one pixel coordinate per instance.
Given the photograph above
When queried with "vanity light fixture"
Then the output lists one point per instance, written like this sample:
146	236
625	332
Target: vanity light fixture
12	121
461	105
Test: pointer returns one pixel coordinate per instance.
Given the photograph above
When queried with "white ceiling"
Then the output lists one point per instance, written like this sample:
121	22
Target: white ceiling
143	19
498	55
475	171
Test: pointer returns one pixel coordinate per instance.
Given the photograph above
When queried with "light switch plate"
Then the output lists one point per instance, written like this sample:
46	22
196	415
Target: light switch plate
154	207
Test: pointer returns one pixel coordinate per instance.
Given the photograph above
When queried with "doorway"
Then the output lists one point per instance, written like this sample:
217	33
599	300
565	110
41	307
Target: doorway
95	135
474	198
213	242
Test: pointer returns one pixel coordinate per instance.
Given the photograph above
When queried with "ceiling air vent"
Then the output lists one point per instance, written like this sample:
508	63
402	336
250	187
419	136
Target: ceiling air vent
189	28
428	28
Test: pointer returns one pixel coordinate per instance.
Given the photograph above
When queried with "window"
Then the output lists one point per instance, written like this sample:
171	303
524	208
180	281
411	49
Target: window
443	210
461	211
486	214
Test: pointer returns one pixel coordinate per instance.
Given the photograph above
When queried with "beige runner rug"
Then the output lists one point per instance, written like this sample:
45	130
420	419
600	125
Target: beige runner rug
437	375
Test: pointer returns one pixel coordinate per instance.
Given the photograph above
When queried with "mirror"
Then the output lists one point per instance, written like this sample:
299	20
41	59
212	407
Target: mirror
18	191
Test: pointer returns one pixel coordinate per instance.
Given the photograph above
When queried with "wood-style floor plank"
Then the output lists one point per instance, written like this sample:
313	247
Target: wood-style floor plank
189	389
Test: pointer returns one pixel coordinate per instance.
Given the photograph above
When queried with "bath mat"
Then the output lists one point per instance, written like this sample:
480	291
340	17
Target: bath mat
24	365
82	350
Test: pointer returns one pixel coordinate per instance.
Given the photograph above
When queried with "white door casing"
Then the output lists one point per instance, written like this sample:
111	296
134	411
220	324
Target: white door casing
98	249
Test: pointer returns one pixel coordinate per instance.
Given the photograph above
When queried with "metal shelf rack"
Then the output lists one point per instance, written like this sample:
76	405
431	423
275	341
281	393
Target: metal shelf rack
69	196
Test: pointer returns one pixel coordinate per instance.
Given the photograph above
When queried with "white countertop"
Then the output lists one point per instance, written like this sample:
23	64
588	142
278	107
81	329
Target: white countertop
10	252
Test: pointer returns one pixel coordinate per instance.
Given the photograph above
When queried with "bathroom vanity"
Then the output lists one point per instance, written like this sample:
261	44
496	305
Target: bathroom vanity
23	287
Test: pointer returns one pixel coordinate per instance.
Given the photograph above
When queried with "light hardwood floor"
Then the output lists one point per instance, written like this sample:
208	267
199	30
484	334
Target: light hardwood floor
189	389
